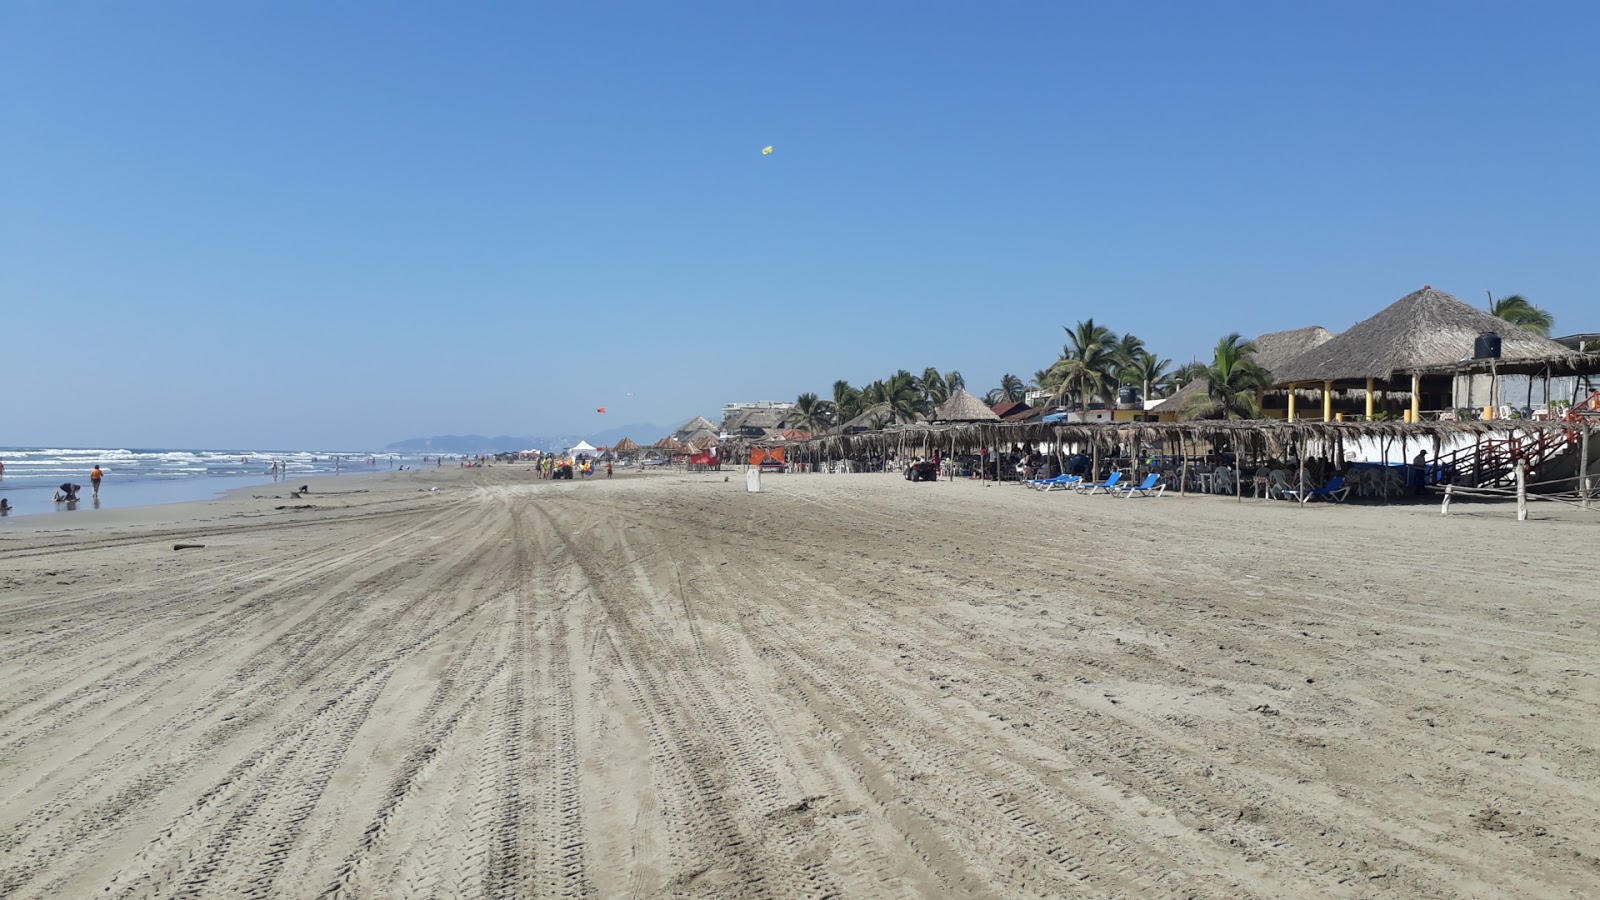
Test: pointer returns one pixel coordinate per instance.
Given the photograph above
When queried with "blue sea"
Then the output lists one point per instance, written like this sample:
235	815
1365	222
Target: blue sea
135	477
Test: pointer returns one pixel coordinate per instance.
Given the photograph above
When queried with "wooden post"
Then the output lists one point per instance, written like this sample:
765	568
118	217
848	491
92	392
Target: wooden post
1416	396
1291	403
1327	400
1183	479
1302	454
1522	491
1369	399
1444	510
1583	464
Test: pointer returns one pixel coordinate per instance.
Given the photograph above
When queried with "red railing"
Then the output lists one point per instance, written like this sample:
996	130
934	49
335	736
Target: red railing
1587	408
1494	461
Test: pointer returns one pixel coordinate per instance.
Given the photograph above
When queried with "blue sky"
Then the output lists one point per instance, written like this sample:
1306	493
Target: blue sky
283	224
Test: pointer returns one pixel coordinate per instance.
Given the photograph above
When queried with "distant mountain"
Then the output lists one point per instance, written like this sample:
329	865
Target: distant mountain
470	444
460	443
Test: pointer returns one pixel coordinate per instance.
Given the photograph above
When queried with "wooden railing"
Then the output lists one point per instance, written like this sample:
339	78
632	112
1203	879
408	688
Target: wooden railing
1493	462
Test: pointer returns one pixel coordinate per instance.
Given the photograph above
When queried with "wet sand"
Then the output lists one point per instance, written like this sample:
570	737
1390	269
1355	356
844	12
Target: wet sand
848	686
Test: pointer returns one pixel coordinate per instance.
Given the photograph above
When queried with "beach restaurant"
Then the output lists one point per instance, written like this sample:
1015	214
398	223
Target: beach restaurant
1429	356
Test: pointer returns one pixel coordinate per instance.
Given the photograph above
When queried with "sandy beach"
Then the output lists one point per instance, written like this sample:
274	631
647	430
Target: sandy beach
845	686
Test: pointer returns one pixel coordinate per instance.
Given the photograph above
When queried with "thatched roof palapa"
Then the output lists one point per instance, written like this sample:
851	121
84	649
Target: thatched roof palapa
667	443
754	421
695	428
1424	330
626	445
1273	350
963	407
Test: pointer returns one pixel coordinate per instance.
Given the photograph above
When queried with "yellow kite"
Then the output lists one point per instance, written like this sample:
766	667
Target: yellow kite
767	150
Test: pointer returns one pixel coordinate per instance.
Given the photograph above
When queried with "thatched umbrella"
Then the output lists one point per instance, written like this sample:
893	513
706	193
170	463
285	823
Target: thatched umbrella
963	407
626	445
695	428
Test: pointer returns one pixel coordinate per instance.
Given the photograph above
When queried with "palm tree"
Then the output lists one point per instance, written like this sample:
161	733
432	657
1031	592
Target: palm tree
1186	373
1044	380
1232	381
810	413
934	389
954	381
1012	388
995	397
1128	348
1516	309
903	395
846	401
1087	363
1147	370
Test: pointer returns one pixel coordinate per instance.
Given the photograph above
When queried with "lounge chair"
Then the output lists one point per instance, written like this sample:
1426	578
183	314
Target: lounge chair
1091	487
1335	490
1059	483
1151	486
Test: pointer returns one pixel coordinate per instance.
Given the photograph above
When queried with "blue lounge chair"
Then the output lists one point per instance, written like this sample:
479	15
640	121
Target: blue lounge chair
1059	483
1150	487
1107	485
1335	491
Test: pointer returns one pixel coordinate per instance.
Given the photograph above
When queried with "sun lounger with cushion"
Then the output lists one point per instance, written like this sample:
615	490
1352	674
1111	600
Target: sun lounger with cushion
1107	485
1151	486
1335	490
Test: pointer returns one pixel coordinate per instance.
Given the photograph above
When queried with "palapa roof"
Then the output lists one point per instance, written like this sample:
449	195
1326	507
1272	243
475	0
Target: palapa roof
1424	330
694	428
963	407
626	445
1273	350
703	443
667	443
756	419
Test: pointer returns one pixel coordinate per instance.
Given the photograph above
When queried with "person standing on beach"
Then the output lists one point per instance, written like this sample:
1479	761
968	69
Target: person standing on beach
94	479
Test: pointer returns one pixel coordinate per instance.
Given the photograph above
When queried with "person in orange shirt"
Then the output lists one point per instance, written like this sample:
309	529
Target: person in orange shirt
94	479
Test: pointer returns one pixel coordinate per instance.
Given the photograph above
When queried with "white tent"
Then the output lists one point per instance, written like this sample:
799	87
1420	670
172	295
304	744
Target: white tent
584	447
